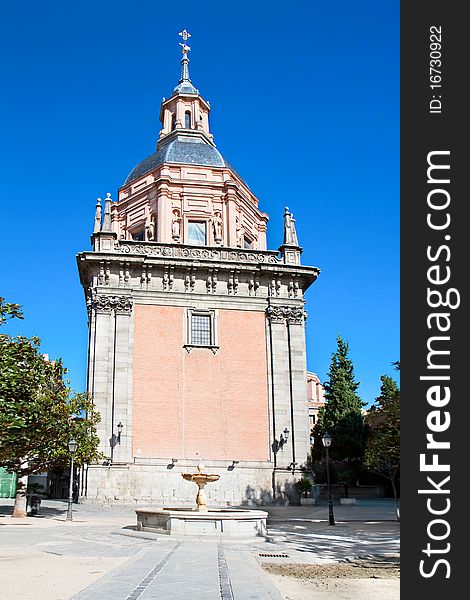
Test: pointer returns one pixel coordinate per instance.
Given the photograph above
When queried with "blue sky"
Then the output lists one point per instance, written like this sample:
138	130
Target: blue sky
308	88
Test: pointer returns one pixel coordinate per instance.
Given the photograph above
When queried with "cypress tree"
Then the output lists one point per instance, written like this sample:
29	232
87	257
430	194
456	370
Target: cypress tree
342	415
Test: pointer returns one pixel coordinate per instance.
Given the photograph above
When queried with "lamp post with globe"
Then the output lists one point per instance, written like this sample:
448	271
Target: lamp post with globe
72	449
326	440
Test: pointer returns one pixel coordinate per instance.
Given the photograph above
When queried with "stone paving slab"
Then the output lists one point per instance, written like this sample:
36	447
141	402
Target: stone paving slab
248	580
183	570
190	573
120	583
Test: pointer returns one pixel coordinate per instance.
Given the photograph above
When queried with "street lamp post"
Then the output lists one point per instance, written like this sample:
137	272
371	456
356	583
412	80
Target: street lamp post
115	439
283	439
312	444
326	440
72	449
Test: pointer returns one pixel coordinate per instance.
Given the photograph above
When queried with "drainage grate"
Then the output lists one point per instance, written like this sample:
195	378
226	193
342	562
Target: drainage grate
225	586
263	555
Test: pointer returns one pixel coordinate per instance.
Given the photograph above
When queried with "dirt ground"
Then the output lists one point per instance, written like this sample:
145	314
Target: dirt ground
367	580
48	576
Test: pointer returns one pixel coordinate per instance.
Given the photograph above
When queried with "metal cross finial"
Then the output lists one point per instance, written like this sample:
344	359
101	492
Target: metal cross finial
185	35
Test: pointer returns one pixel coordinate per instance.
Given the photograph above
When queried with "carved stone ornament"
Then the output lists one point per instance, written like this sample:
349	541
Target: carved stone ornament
275	314
294	316
281	314
89	305
177	251
121	305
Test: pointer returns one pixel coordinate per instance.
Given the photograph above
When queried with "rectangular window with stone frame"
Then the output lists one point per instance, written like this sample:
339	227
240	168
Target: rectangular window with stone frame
201	328
248	243
197	233
138	235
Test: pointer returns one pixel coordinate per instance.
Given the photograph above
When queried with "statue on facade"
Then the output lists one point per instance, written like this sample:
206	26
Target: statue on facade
240	234
290	234
176	225
217	225
97	216
107	213
150	230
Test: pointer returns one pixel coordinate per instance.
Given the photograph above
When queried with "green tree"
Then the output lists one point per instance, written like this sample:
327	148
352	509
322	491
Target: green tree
342	414
37	410
382	454
9	310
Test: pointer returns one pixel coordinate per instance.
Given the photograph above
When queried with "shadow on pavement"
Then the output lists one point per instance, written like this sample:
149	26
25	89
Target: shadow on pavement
44	511
339	542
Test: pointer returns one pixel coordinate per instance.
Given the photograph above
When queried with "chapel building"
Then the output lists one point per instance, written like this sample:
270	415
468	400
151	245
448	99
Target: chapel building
196	330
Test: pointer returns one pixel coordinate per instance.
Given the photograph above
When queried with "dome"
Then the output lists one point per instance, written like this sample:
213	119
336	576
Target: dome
182	150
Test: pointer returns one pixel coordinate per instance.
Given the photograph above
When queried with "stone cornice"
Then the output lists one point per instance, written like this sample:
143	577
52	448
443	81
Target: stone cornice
212	270
228	262
191	269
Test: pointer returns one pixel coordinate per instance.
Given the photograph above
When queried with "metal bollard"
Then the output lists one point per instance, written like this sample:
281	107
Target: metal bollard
35	503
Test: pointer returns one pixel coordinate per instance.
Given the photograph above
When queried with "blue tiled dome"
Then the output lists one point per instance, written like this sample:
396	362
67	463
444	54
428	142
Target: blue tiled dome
186	151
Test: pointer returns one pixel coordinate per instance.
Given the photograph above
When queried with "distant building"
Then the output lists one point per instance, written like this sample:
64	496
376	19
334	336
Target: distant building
315	394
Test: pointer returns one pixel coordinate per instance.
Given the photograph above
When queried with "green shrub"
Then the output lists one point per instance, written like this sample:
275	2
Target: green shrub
304	485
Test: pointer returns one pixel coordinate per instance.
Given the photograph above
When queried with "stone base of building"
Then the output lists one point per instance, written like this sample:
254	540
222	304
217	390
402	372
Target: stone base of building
161	483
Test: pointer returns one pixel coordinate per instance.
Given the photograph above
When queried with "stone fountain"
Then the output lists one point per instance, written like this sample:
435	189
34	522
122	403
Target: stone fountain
201	479
203	521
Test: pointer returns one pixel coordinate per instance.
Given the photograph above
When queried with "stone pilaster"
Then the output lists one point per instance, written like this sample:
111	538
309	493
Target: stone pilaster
287	382
298	378
123	350
109	373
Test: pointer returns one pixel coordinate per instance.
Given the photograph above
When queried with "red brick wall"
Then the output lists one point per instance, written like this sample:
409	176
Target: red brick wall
213	405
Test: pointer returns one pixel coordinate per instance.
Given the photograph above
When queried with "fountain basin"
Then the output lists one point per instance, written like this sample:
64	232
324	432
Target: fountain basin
223	523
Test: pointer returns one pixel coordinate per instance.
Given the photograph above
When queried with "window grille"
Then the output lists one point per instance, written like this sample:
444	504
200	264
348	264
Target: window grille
201	330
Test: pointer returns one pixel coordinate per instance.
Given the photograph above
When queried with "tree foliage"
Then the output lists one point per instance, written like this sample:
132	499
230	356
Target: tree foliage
383	445
382	453
9	310
342	414
37	409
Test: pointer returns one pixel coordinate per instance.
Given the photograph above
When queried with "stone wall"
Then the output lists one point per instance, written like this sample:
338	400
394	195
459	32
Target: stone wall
162	484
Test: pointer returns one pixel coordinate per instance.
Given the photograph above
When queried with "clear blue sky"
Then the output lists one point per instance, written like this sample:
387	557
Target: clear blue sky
308	88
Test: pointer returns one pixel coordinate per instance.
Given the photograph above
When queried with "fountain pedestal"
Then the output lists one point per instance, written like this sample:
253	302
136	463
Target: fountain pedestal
201	479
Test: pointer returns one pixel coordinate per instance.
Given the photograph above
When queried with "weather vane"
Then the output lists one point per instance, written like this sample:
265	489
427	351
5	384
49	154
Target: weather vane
185	35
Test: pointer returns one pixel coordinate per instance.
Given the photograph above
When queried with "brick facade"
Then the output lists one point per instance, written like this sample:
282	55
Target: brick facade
199	403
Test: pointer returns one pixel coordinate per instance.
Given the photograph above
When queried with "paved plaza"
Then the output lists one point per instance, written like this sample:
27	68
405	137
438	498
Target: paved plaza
99	556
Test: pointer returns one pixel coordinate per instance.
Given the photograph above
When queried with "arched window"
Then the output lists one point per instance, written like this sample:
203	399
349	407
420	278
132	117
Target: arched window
187	120
173	122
